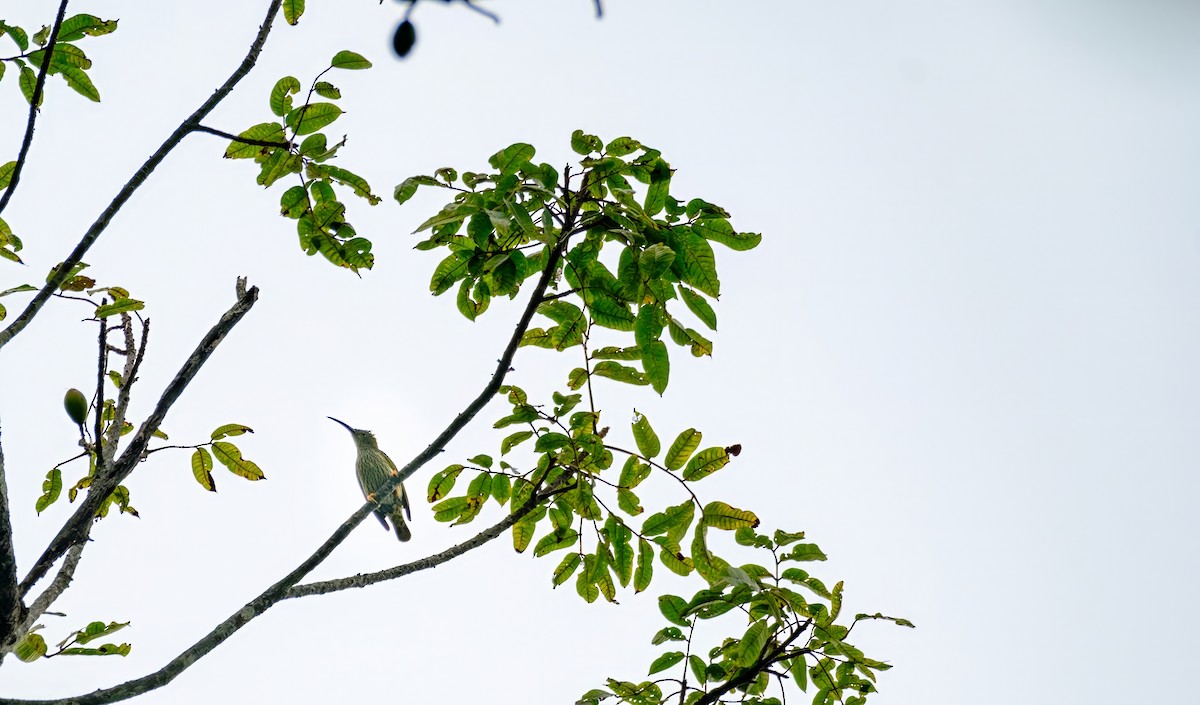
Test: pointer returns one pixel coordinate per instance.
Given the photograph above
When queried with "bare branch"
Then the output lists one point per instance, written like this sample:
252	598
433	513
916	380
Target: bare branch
10	600
66	573
35	98
129	375
364	579
101	223
76	528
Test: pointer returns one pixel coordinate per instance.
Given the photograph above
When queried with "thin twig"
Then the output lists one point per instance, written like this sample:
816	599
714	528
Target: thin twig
364	579
101	365
243	140
101	223
66	573
75	529
34	99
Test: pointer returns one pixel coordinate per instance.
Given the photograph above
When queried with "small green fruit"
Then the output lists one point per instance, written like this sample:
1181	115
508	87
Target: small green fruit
76	405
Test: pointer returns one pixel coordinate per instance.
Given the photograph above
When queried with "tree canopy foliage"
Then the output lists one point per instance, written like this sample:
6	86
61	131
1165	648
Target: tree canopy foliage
616	270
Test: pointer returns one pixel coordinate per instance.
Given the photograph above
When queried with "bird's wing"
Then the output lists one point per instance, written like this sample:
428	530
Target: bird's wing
393	471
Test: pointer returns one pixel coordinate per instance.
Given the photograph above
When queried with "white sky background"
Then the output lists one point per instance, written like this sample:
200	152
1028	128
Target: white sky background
963	358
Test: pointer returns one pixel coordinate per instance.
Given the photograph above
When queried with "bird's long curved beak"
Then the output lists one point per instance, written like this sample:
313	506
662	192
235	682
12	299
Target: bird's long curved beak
343	423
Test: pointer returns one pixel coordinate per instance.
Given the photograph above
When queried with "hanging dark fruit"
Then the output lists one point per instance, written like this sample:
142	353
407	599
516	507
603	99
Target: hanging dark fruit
406	37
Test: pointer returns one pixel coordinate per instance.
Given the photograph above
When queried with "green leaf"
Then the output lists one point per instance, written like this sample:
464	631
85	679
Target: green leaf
469	307
655	260
510	159
229	456
292	9
202	465
568	566
448	271
30	648
312	117
349	60
585	144
263	132
629	502
281	95
699	306
720	515
660	186
230	429
657	362
614	353
18	35
27	83
551	441
644	571
665	661
619	372
6	172
695	262
645	437
78	80
673	608
719	230
673	521
514	440
586	588
559	538
807	552
121	305
51	489
673	559
705	463
443	482
622	551
683	447
799	670
344	176
752	643
622	146
95	630
78	26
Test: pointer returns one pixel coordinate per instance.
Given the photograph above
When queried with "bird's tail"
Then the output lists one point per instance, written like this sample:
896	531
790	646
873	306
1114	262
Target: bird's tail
402	531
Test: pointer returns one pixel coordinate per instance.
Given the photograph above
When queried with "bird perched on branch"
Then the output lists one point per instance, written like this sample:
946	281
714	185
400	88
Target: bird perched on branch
374	469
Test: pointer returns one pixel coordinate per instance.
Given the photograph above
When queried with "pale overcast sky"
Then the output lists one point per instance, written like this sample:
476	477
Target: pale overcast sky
963	359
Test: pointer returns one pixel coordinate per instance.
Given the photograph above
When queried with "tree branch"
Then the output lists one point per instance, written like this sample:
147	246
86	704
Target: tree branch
243	140
364	579
11	608
101	223
66	573
747	675
280	589
34	99
77	527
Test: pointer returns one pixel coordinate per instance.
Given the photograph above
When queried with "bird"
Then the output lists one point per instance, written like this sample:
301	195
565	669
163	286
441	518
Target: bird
374	468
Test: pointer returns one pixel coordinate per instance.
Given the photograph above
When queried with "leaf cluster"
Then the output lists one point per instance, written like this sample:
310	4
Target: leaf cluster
294	145
788	635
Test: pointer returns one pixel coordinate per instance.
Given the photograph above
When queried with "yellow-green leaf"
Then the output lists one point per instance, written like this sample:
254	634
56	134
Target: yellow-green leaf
292	9
349	60
51	489
30	648
230	429
229	456
705	463
685	444
720	515
645	437
119	306
202	465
